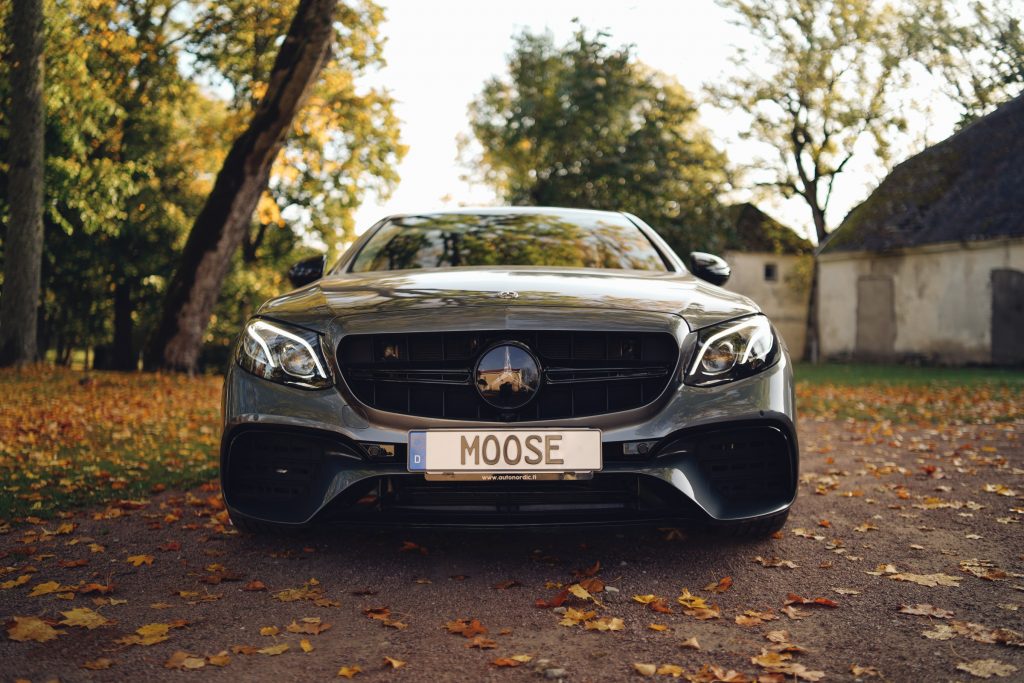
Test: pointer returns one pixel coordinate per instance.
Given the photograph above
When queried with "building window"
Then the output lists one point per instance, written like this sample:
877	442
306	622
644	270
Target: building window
771	272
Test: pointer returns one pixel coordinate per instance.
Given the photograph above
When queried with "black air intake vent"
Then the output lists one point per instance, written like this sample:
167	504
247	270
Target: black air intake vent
583	373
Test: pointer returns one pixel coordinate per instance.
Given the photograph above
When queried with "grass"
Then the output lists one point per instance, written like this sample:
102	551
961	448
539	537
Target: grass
862	374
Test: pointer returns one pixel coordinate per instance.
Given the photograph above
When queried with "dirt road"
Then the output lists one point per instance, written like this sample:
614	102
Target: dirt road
883	512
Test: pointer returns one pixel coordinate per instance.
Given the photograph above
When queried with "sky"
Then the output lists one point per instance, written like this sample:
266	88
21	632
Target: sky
439	54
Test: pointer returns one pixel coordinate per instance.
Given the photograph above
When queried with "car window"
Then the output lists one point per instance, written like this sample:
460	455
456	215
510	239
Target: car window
512	239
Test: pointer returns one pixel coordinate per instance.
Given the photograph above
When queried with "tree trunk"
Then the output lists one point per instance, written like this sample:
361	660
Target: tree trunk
123	357
19	308
812	338
225	218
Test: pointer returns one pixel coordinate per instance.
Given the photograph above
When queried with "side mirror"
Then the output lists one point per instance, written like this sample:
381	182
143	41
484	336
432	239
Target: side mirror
307	270
709	267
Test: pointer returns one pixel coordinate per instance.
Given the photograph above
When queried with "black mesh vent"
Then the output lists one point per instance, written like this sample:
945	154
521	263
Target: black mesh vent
750	463
584	373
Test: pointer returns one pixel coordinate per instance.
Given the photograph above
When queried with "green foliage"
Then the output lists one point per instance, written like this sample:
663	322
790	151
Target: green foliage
135	135
816	82
587	125
977	50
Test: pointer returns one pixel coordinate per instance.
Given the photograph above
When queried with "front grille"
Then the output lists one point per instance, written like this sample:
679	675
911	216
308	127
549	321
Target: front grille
584	373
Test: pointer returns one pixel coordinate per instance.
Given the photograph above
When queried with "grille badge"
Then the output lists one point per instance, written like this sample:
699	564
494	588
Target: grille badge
508	295
507	376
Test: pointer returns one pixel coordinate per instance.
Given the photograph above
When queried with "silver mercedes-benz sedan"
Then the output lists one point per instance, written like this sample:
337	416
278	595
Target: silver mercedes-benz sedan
510	366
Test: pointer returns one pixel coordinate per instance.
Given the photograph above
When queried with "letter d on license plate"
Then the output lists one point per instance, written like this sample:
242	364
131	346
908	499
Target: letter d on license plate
488	451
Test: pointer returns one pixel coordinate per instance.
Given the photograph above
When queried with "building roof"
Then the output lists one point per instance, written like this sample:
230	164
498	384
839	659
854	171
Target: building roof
967	188
755	231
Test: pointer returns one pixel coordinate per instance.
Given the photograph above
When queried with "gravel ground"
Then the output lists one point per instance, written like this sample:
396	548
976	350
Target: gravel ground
876	502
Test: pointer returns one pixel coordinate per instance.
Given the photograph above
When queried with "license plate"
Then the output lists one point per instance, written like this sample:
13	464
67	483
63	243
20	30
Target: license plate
528	454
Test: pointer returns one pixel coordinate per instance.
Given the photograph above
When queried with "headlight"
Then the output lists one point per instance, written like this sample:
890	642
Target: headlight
732	350
284	354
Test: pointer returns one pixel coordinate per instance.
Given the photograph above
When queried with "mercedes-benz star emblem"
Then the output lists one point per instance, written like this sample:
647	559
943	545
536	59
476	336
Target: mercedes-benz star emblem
508	295
507	376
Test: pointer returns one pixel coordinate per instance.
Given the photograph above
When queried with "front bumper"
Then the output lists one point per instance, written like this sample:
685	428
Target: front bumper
727	453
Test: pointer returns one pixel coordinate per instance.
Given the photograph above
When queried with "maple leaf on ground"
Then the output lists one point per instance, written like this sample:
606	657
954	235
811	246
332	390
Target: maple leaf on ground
139	560
466	627
306	646
557	600
574	617
309	626
720	586
861	671
48	587
100	664
23	629
510	662
657	627
593	584
710	673
222	658
274	650
924	610
645	669
673	670
690	643
794	599
348	671
84	617
753	618
986	668
604	624
255	585
930	580
183	660
269	630
775	562
393	663
482	643
409	546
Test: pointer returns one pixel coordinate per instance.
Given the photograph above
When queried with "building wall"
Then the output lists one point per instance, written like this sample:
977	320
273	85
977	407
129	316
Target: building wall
784	299
941	300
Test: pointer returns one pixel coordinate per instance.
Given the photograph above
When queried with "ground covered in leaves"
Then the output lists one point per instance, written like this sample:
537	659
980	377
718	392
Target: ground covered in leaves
903	560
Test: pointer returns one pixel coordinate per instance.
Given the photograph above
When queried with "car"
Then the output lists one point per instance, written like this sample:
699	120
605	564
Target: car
510	367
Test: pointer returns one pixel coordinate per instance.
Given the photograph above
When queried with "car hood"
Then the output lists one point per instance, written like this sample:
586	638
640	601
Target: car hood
351	294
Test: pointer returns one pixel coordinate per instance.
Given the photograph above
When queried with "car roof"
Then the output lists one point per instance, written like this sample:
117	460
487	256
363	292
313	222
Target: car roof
512	210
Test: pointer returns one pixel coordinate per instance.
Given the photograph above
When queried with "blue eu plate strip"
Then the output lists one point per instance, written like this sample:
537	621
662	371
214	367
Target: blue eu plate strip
418	451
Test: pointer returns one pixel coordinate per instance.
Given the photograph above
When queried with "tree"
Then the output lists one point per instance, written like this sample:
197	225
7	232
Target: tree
225	218
587	125
976	50
24	243
817	88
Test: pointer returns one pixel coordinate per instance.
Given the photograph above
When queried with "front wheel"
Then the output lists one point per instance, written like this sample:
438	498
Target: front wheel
761	527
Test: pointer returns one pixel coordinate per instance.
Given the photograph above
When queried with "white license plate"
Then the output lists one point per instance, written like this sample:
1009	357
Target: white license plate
481	453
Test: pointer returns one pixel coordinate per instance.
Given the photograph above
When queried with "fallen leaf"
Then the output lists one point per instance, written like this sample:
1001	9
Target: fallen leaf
348	671
721	586
32	628
987	668
269	630
273	650
84	617
393	663
255	585
222	658
306	645
861	671
925	610
309	626
183	660
930	580
139	560
482	643
98	664
657	627
645	669
794	599
690	643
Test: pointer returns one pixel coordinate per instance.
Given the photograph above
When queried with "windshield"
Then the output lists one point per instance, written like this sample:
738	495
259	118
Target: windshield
451	240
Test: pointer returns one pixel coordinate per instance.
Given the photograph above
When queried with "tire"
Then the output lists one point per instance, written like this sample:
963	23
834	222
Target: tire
247	525
761	527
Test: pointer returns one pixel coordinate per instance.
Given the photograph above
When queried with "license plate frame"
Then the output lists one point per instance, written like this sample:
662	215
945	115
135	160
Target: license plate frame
466	453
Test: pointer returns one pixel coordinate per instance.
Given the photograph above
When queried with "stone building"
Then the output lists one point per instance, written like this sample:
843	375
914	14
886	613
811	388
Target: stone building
931	266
